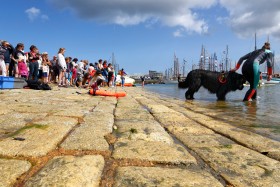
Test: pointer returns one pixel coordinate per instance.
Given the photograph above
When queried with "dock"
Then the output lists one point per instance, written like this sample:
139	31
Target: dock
66	137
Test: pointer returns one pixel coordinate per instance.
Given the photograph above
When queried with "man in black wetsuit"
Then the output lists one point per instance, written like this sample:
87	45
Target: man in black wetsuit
251	70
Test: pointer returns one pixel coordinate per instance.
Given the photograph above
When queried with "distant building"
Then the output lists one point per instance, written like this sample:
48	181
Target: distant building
155	75
176	65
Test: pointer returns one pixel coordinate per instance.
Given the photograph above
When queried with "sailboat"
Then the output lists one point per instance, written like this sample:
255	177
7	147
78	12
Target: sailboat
172	75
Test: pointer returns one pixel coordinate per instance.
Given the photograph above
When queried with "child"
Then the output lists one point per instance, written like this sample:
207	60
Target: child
96	80
45	67
68	73
74	74
80	73
22	67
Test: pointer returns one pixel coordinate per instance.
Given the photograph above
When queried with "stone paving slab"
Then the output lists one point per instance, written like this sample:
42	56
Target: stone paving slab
13	121
86	137
142	130
178	122
241	166
4	110
11	169
70	171
152	151
57	120
159	108
208	140
103	124
74	97
163	177
104	108
76	111
247	138
39	139
274	154
90	134
129	104
31	108
122	114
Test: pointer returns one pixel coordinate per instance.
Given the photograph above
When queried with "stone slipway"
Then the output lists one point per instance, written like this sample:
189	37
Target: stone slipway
66	137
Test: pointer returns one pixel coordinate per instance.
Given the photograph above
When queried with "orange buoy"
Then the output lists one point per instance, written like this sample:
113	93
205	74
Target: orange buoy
107	93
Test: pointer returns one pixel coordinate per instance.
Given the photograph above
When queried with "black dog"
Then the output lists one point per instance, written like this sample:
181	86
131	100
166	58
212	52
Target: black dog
37	85
215	82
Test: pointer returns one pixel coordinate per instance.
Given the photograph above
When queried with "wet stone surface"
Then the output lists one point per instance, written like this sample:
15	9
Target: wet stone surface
65	137
165	177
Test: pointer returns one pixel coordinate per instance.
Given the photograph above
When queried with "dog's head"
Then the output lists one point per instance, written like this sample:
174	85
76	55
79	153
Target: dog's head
236	81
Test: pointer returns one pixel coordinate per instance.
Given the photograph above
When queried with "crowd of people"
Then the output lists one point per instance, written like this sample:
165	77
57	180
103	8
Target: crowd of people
61	70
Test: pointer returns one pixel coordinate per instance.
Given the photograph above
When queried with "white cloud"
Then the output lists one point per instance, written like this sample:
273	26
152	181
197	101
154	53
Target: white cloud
175	13
248	17
32	13
244	17
178	33
35	13
45	17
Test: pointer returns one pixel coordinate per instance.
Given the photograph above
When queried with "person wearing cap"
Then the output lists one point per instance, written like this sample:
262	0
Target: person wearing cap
33	58
251	70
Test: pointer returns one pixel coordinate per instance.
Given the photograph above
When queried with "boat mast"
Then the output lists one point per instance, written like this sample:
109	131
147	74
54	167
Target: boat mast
202	58
184	67
176	67
255	41
227	58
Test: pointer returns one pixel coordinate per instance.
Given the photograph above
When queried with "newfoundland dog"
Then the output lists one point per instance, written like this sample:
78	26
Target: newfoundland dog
219	83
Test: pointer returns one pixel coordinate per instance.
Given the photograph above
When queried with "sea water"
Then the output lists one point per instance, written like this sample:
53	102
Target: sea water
261	116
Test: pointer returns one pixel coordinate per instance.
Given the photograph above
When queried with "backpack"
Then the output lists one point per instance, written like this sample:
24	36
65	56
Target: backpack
37	85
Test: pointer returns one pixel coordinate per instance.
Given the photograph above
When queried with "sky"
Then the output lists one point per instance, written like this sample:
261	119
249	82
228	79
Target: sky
143	34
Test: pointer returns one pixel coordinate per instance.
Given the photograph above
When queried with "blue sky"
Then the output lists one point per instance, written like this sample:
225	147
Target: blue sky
143	34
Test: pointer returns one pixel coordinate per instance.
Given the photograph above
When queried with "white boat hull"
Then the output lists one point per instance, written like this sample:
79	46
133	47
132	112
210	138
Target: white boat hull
127	81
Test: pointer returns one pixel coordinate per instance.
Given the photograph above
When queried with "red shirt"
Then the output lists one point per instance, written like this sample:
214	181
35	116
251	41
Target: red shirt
74	71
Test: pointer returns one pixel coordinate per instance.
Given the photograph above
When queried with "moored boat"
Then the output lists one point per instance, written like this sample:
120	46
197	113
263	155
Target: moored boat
128	81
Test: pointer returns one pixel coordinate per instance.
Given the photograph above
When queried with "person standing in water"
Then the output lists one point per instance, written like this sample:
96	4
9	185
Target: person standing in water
142	80
251	69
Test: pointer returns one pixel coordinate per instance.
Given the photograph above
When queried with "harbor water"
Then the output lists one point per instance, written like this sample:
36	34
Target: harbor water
261	116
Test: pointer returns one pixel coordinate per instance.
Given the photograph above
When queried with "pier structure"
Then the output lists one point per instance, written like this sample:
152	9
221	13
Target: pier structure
66	137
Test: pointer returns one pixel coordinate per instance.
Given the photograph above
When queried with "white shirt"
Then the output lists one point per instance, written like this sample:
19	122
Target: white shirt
61	61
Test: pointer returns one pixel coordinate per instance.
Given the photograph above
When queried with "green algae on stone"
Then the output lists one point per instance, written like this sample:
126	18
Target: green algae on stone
37	126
